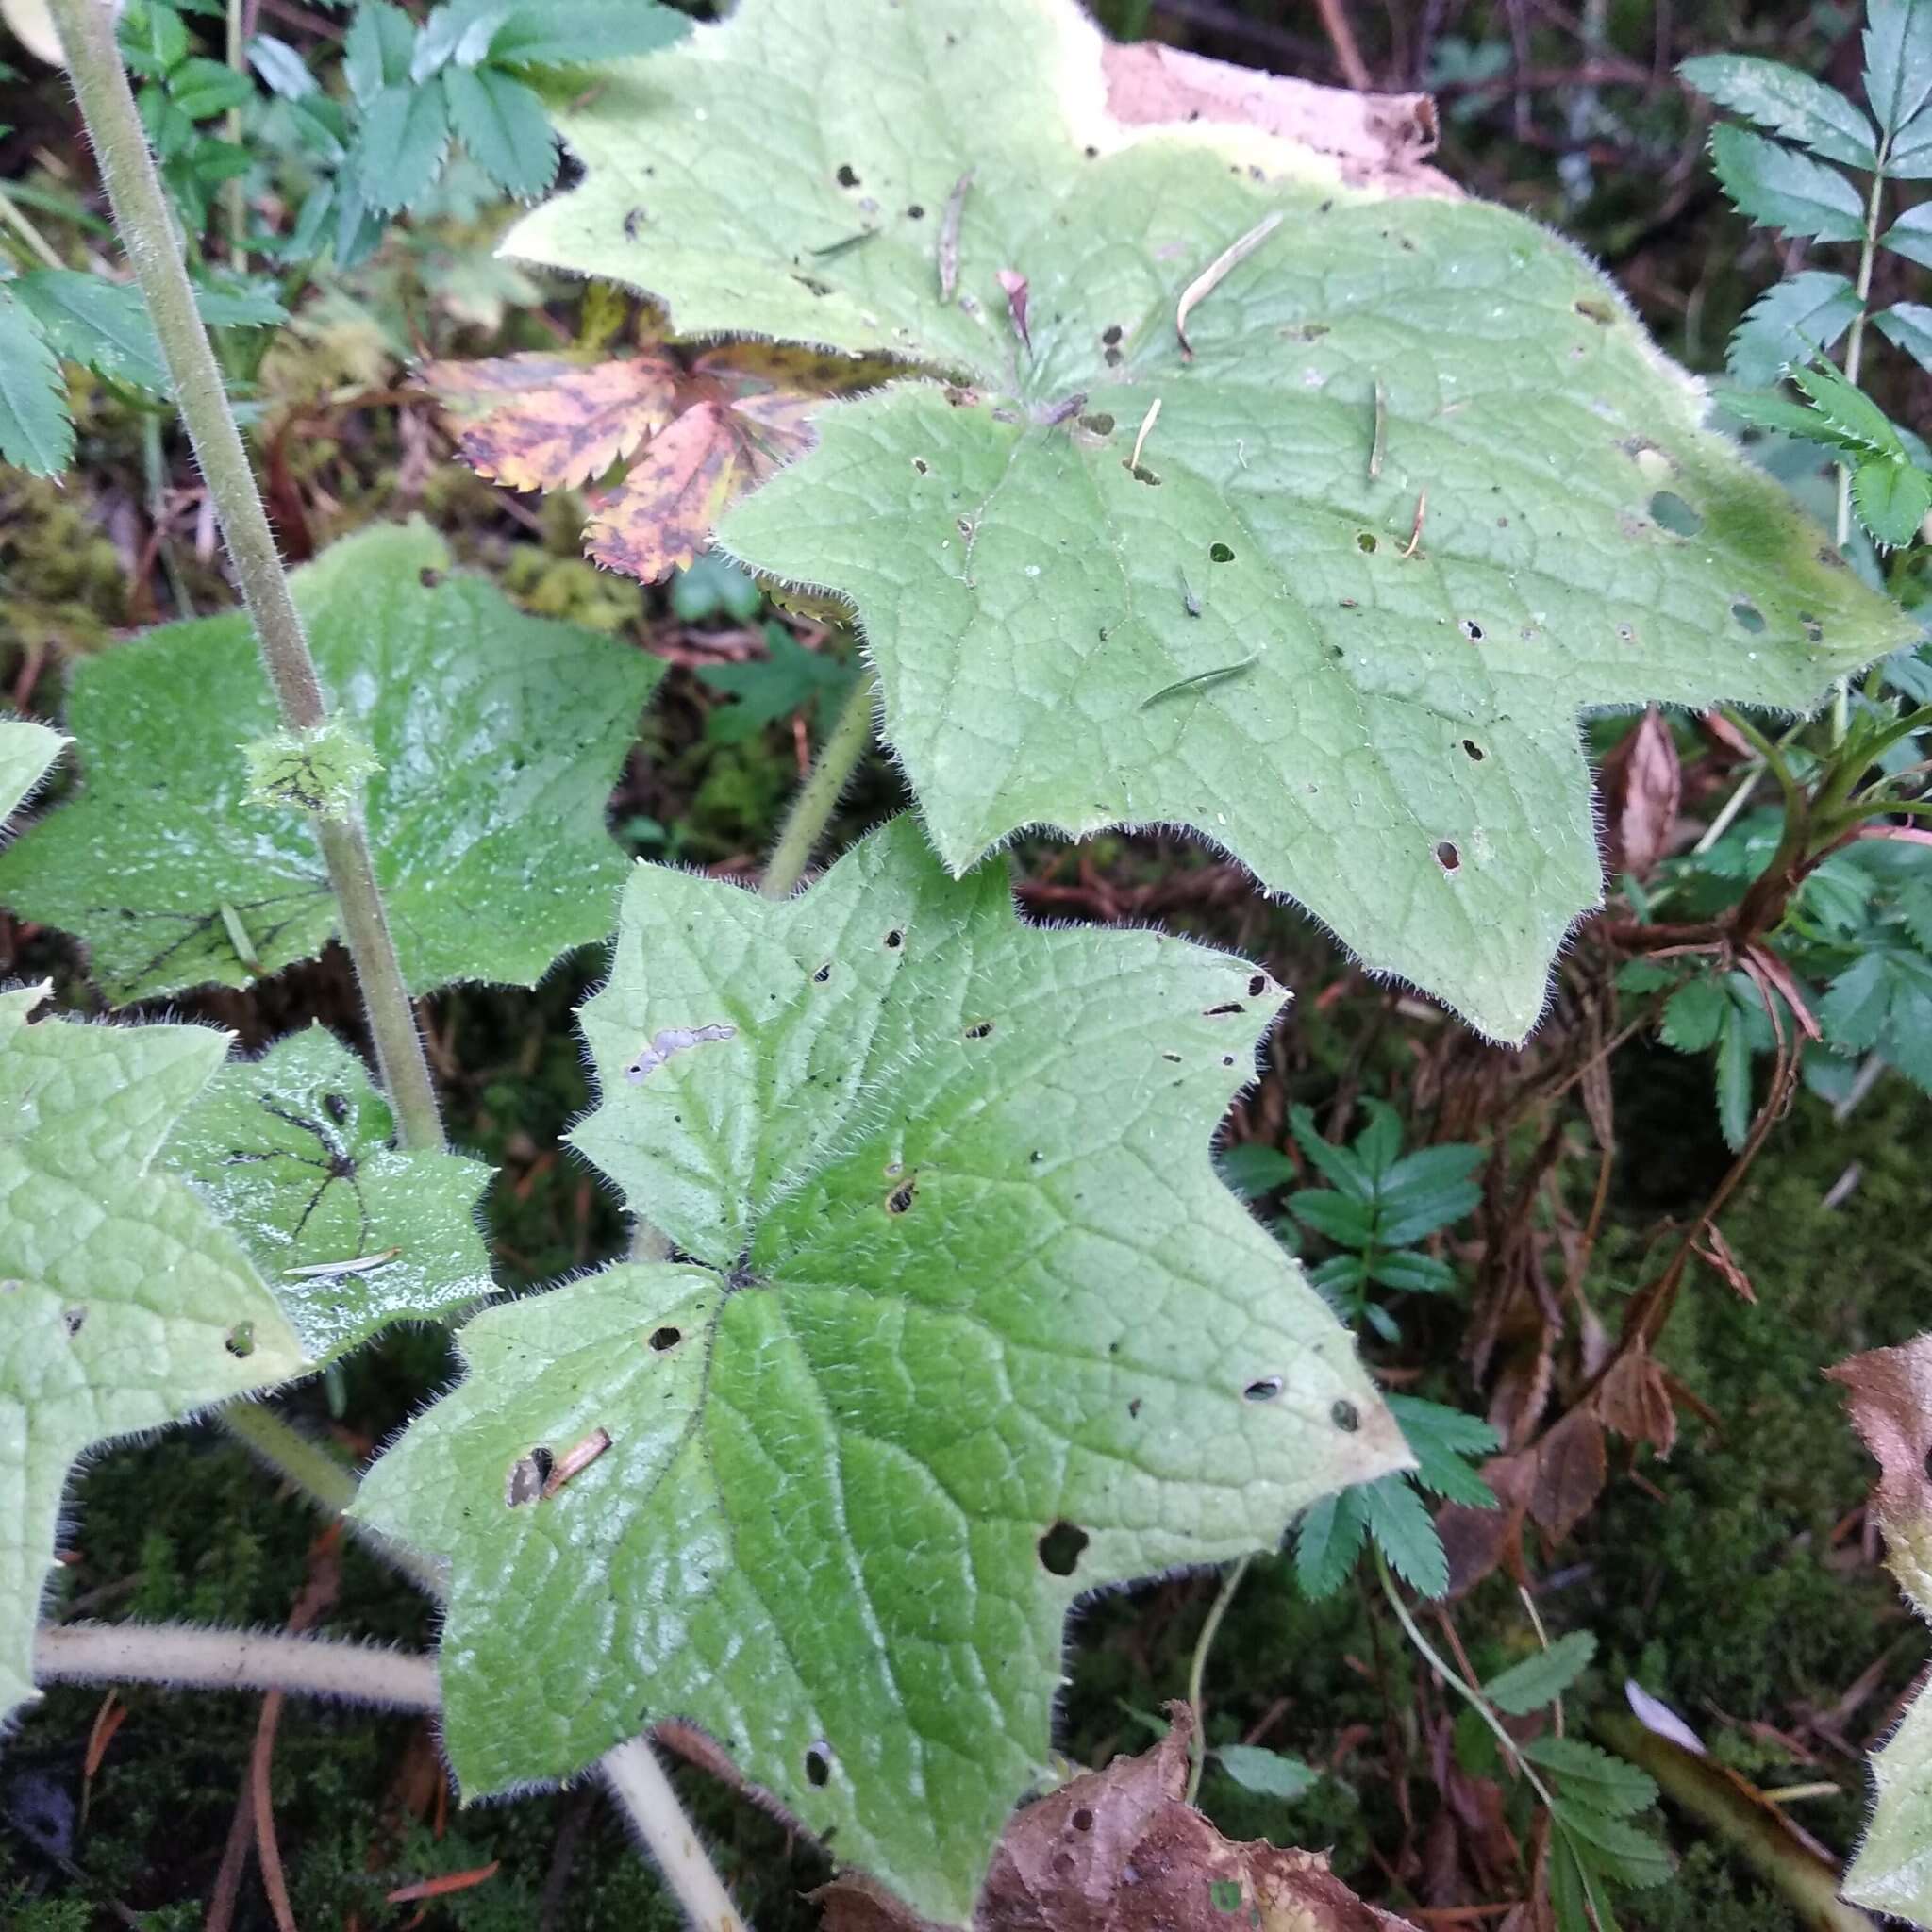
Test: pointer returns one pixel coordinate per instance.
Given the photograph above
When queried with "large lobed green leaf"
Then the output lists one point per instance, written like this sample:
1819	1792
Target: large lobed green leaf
499	736
296	1153
123	1303
962	1324
1394	739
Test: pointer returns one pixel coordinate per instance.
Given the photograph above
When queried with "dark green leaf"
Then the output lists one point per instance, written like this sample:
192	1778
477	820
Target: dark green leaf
1793	320
1542	1676
1443	1440
1734	1077
1785	418
1786	102
1351	1222
1327	1540
1613	1846
540	34
1427	1191
1252	1168
1412	1273
788	680
1591	1779
405	137
376	50
1779	187
1694	1015
505	128
1379	1143
170	132
203	88
713	586
1849	410
1339	1166
1578	1893
1898	59
1399	1521
103	325
36	433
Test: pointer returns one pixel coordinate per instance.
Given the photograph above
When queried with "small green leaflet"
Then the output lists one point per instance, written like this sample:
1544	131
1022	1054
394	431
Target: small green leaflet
943	1356
1590	1777
36	433
293	1153
1788	102
1779	187
788	681
126	1305
1267	1772
498	736
1793	320
1542	1676
1016	564
1898	61
27	751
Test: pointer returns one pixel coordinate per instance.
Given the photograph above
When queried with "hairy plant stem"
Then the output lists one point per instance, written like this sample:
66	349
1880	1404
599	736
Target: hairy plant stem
812	810
631	1769
1197	1671
202	1659
146	229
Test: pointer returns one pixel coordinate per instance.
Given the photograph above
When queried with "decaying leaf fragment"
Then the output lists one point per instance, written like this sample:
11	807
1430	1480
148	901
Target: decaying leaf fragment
1891	1395
700	430
1119	1851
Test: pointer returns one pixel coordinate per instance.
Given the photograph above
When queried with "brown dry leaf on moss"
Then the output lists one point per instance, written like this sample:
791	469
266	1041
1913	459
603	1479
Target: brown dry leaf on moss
1118	1851
701	430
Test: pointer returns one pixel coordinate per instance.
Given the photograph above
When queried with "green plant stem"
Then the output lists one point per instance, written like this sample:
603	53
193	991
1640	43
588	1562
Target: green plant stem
235	190
1197	1671
234	1660
1459	1684
309	1468
146	225
15	218
635	1779
1855	349
1758	1837
812	810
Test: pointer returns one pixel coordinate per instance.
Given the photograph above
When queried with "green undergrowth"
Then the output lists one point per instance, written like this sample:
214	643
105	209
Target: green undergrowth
187	1528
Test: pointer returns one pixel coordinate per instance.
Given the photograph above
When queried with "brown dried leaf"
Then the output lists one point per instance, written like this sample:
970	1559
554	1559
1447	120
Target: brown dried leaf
1569	1470
1642	785
1634	1400
1118	1851
1891	1395
1718	1254
539	421
1478	1541
1379	141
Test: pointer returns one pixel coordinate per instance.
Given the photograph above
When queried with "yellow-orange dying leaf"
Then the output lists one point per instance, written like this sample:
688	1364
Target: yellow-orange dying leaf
539	421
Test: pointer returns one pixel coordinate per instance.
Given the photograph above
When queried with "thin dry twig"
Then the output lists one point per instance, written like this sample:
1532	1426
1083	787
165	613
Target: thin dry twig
1215	273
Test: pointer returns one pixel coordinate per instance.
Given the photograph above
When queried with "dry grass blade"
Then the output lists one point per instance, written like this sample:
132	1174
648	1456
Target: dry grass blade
1216	272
